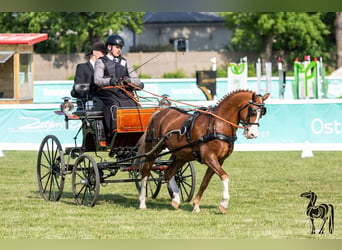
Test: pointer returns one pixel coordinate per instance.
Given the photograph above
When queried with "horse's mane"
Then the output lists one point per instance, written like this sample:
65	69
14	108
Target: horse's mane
234	92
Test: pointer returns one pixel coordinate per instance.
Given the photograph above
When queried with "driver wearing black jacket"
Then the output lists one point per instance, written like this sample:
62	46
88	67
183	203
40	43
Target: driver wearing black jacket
113	70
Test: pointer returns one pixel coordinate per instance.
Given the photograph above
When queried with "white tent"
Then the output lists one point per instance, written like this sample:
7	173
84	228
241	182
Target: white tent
337	73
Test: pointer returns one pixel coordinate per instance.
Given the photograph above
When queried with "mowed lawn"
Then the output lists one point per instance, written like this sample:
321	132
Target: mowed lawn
265	203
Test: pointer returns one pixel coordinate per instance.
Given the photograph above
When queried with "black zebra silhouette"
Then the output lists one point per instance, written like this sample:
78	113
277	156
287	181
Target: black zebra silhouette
323	211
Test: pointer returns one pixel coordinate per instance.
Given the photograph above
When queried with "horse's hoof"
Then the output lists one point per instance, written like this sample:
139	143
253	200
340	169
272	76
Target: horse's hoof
142	207
196	210
175	204
222	209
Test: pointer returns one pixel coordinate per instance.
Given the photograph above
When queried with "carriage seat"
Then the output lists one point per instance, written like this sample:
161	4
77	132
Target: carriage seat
88	104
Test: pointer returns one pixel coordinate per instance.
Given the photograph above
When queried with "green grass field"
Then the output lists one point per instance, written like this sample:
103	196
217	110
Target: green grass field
265	203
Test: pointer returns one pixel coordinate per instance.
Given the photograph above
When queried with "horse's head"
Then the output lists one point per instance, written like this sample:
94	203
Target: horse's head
251	113
308	195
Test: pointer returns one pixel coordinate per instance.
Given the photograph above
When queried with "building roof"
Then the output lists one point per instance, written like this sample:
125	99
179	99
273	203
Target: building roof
22	38
181	17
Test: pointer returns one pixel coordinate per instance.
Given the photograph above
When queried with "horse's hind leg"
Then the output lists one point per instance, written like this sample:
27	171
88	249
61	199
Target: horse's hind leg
142	196
324	210
174	190
172	185
322	227
145	172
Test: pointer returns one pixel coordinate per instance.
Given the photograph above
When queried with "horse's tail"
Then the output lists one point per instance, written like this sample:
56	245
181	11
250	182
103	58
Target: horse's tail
331	219
141	144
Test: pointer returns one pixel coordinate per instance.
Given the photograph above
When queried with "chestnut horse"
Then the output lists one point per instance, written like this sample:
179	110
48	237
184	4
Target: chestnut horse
205	136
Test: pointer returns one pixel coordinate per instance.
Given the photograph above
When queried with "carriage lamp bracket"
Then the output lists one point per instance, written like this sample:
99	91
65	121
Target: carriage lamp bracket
66	107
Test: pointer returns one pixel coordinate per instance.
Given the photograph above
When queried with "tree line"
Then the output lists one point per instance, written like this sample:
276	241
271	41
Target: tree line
290	34
70	32
272	34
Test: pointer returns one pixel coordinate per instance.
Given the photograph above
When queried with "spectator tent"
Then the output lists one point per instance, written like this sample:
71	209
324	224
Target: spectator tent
16	67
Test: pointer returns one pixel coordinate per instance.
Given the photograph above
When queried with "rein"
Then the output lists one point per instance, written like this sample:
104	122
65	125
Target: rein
198	108
126	91
162	97
216	116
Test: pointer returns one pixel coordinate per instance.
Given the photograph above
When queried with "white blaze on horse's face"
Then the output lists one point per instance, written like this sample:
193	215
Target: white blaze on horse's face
252	131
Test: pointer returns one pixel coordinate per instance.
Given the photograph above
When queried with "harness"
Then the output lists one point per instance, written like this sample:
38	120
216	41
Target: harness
188	124
186	129
209	136
251	112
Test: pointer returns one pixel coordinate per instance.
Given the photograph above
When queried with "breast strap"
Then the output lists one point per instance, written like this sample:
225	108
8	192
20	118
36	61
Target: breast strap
218	136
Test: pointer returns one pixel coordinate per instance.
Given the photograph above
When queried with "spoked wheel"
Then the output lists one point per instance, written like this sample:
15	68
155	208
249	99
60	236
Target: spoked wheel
50	169
153	183
186	181
85	181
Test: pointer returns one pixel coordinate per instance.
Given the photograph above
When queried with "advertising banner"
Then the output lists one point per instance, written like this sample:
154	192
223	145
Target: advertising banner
284	125
25	128
289	126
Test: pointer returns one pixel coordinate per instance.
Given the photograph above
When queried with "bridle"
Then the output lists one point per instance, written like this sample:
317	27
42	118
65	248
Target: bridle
252	112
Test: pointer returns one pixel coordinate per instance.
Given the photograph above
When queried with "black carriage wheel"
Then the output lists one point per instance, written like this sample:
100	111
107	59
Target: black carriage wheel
85	181
186	181
50	169
153	183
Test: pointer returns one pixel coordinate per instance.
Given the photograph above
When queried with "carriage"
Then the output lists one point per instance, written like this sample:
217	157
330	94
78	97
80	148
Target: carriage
87	165
206	135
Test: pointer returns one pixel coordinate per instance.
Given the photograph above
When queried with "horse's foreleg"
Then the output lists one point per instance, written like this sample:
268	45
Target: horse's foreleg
215	166
313	229
144	176
206	179
225	196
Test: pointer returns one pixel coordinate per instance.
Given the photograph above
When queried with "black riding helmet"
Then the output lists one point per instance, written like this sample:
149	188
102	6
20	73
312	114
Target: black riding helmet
115	40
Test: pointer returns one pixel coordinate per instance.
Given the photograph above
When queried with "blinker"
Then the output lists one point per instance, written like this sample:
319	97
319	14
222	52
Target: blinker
263	111
251	111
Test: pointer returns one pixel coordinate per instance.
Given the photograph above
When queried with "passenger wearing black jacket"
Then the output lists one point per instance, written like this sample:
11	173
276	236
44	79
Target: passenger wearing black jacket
85	71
